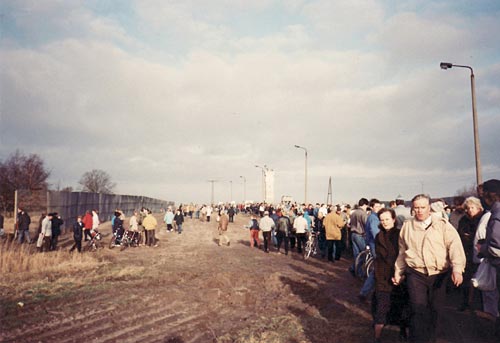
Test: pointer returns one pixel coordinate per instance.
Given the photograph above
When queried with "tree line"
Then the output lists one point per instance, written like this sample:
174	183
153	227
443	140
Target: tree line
29	172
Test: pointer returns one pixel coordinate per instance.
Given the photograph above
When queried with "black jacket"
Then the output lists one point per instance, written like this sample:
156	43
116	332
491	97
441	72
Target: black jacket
77	231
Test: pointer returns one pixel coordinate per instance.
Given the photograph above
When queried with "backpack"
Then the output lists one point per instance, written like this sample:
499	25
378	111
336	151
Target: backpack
255	225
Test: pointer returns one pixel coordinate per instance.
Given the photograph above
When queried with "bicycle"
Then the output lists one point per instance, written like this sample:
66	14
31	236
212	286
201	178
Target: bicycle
364	264
311	245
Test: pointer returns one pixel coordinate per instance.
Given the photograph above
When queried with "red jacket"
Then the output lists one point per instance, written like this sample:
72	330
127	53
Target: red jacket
87	221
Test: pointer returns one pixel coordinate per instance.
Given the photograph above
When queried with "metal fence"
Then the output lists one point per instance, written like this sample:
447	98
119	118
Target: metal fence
69	205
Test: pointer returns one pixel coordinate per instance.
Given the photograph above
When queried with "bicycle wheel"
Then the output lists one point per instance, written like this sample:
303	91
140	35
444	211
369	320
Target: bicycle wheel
360	263
308	249
369	265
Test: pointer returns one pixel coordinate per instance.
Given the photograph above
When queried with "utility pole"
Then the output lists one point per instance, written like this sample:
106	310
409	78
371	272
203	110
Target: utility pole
329	199
244	188
212	196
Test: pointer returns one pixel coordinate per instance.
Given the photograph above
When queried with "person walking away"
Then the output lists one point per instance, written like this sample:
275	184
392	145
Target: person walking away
57	222
133	224
87	225
490	248
254	232
429	249
403	213
150	224
300	228
333	224
231	213
389	301
23	225
209	211
266	225
222	227
179	219
78	228
283	228
46	233
358	221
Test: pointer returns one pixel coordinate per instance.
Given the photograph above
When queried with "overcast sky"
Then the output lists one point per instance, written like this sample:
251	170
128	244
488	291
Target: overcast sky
165	95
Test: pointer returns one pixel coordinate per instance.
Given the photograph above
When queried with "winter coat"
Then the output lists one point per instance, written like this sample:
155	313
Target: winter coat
333	223
77	231
386	244
87	221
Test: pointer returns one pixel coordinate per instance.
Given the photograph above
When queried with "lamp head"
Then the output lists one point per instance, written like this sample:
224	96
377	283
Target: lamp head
296	146
445	65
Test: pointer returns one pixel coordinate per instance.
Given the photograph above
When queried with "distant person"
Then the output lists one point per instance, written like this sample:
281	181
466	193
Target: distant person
23	226
358	222
300	227
231	212
1	224
403	213
179	220
429	250
458	211
222	227
78	228
253	225
169	219
87	225
283	228
333	224
266	225
46	233
209	211
150	224
57	222
133	223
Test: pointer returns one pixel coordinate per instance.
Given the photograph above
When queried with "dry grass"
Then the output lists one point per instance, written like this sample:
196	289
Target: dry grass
18	259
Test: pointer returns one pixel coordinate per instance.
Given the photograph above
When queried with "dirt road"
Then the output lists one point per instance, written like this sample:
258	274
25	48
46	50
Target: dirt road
188	289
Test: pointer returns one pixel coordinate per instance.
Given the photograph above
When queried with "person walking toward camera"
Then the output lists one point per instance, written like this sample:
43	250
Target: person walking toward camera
179	219
23	224
429	250
78	228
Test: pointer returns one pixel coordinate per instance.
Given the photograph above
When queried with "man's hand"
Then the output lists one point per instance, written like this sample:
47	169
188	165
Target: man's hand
396	279
457	278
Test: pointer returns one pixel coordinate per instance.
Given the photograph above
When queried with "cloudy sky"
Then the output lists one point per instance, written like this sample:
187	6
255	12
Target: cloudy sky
165	95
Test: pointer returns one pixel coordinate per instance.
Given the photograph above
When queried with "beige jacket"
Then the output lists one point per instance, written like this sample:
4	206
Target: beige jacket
333	223
432	251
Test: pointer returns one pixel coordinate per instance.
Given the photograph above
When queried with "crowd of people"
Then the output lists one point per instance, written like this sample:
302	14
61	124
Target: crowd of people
420	251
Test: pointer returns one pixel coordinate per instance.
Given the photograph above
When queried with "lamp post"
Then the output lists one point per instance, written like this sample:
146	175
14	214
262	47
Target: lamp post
263	180
305	182
447	65
244	188
231	189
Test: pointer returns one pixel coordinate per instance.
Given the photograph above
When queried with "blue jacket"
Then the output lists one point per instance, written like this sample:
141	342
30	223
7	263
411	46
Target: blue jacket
372	229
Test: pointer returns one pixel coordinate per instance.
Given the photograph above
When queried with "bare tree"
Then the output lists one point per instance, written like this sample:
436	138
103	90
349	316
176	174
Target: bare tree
467	191
97	181
21	172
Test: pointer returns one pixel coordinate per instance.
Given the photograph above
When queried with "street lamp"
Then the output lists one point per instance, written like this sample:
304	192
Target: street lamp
244	188
305	183
231	188
447	65
263	180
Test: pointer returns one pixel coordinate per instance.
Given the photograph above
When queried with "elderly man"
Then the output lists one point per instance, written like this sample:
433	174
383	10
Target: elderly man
429	249
490	248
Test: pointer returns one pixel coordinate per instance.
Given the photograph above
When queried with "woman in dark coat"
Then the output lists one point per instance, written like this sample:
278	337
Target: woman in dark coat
389	301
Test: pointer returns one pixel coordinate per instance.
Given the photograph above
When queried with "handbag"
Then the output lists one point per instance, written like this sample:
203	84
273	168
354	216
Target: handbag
485	277
39	241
